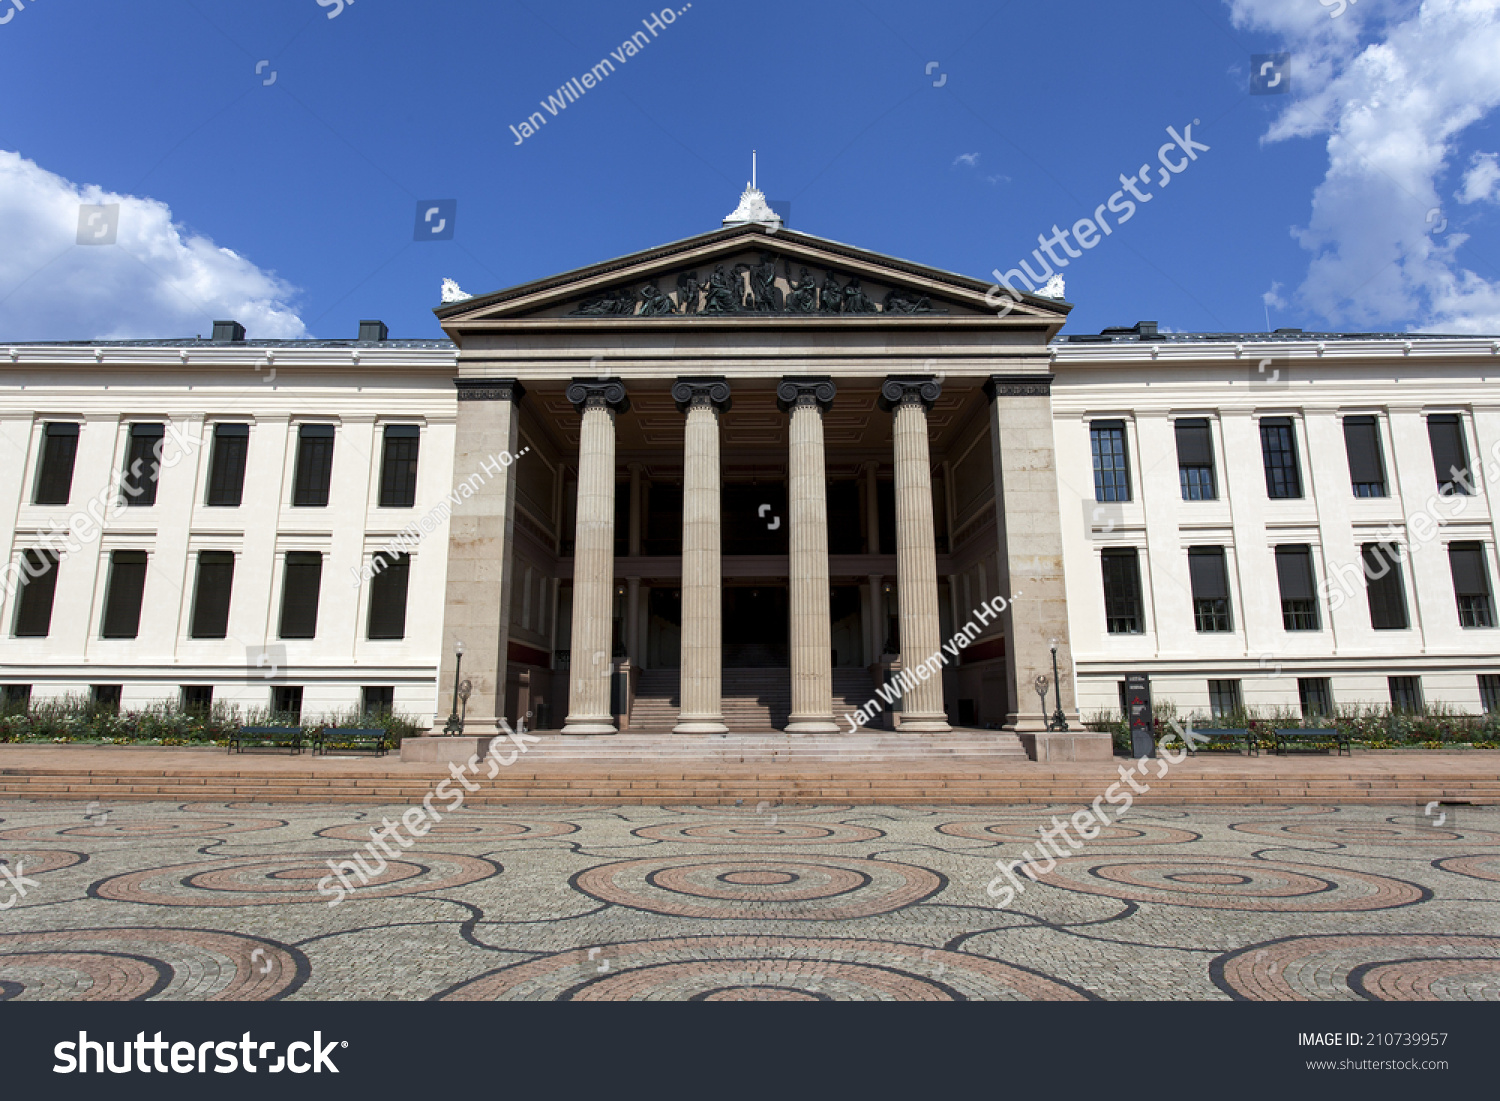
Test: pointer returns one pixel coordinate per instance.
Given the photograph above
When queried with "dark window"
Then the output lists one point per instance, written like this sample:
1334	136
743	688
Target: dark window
1450	456
388	596
1111	465
1406	693
314	465
211	597
286	703
885	502
1383	587
846	535
142	464
1316	697
106	697
1210	588
398	467
1224	698
1366	467
197	697
1122	591
1471	584
54	476
1278	447
15	699
377	700
622	519
1195	459
122	601
299	594
38	576
226	467
1299	603
1489	692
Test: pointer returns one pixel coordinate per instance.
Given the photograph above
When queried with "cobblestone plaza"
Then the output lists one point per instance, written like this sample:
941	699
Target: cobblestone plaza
219	901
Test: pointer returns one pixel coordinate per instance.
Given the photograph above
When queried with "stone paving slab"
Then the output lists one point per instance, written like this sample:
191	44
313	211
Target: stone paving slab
216	900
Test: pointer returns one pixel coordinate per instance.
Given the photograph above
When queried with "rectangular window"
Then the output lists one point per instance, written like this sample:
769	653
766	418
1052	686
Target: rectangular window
1406	693
377	700
197	698
1195	459
1489	692
122	598
1316	697
1224	698
1366	467
398	466
299	594
388	596
15	699
54	476
1299	604
1210	588
142	465
1450	455
1471	584
1111	465
1122	591
226	466
106	697
314	466
38	576
211	597
1383	586
1278	448
286	702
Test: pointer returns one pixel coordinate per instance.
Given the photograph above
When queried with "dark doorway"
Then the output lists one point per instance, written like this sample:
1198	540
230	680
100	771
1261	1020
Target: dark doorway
846	535
754	519
664	629
755	628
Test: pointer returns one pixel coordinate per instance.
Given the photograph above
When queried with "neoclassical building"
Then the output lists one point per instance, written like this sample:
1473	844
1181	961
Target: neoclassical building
745	481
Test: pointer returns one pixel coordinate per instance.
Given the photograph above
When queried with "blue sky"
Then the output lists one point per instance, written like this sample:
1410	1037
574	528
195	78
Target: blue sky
1367	198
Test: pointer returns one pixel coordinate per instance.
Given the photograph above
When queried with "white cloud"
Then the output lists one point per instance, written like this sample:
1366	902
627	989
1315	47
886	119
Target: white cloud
969	160
1392	94
1273	297
1482	180
157	280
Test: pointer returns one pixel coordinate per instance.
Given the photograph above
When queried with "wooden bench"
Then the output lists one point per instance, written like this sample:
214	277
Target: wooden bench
371	739
1237	739
1314	740
266	737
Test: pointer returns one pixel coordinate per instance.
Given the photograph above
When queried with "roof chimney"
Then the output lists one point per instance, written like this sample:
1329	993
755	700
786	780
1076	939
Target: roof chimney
373	332
1146	329
231	331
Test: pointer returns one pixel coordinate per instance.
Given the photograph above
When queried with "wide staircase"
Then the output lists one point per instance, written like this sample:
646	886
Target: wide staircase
753	699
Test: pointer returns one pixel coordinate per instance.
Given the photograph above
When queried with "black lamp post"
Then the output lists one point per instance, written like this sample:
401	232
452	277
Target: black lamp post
1059	721
455	725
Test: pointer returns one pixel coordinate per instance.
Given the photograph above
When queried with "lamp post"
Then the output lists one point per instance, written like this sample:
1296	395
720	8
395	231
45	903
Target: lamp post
1059	721
455	725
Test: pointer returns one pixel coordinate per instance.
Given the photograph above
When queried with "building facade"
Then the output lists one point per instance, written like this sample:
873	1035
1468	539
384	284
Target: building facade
747	481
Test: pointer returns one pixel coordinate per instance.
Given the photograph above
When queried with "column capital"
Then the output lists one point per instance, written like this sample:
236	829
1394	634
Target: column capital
803	390
608	392
489	389
688	392
1018	386
901	390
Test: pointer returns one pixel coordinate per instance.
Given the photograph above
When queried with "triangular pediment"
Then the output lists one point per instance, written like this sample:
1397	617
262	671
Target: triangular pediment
746	274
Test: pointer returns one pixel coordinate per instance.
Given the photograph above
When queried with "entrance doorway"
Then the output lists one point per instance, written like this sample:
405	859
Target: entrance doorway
755	627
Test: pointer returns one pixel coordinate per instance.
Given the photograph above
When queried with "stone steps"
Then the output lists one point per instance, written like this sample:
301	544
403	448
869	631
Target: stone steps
752	699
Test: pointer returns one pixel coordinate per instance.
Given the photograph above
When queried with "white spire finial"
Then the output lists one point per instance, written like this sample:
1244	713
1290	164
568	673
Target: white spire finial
753	186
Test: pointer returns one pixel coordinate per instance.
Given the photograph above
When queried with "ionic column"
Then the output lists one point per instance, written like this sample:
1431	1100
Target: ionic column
807	399
872	508
597	401
916	551
702	712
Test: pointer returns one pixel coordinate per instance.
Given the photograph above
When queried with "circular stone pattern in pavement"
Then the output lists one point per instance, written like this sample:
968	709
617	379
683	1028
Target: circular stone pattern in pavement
760	830
1367	833
750	810
1231	883
1023	831
760	886
38	861
1372	967
470	829
114	828
1485	866
136	964
764	969
290	877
